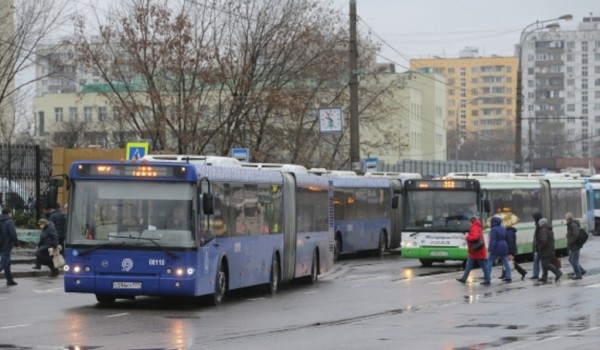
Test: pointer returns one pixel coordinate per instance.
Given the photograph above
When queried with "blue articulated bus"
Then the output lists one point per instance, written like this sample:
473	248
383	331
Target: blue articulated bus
151	228
365	209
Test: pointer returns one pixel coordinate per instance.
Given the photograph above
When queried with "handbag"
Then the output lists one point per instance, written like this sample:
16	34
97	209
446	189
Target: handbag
478	244
556	262
57	259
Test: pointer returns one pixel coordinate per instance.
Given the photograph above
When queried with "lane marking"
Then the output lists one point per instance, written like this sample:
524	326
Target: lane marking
16	326
117	315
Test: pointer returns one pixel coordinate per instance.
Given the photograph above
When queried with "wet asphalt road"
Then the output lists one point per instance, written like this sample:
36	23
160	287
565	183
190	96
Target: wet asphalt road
364	302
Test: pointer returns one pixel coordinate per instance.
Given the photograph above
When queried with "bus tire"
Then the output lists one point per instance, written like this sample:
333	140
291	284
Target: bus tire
274	281
220	286
426	263
382	246
337	247
105	298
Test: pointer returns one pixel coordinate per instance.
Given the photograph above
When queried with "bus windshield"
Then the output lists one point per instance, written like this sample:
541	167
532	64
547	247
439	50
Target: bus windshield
132	213
437	211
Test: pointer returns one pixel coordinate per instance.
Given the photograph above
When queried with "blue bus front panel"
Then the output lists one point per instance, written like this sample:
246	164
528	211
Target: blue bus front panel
134	272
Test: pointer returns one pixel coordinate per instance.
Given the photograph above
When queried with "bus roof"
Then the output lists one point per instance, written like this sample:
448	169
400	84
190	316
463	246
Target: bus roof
393	175
194	159
481	175
288	168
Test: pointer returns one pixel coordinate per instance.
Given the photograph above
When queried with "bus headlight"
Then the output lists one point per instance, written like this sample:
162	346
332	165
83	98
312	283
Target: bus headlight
190	271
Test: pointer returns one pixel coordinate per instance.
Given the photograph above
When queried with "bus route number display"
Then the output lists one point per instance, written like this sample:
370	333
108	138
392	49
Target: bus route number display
440	184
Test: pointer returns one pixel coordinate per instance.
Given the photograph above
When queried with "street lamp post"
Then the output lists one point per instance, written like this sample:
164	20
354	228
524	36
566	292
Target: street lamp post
537	25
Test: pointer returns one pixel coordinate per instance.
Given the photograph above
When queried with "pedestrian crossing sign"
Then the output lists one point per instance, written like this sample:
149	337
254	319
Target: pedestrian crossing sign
136	150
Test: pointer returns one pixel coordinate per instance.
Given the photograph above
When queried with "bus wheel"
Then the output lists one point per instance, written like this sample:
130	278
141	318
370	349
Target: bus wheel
314	269
426	263
337	248
105	298
274	283
220	287
382	244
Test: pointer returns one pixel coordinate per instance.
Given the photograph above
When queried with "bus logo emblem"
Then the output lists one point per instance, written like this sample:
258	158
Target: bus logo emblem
127	264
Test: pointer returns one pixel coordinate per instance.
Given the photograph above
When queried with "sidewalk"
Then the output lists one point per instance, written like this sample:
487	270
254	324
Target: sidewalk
22	261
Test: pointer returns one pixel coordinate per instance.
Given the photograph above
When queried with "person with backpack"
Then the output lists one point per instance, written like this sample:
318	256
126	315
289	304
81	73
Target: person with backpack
574	237
8	240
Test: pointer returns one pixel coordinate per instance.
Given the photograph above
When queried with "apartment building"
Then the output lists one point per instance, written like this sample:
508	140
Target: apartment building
480	103
561	92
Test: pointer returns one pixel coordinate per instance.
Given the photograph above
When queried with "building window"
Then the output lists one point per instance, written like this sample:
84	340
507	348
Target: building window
87	113
450	70
570	107
72	114
58	114
101	113
41	123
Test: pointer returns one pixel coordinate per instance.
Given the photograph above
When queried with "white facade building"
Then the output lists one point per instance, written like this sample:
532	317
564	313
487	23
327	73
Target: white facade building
561	92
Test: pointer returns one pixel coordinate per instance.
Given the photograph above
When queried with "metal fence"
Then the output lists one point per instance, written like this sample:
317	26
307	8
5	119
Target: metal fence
25	171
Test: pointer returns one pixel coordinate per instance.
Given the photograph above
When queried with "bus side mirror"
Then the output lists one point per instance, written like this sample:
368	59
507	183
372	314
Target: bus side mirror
395	201
207	204
52	198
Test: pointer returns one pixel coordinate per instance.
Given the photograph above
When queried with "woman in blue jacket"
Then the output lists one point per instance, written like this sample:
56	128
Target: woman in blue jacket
498	248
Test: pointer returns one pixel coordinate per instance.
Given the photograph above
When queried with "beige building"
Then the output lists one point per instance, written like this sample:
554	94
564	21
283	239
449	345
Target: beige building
78	120
414	127
481	101
410	124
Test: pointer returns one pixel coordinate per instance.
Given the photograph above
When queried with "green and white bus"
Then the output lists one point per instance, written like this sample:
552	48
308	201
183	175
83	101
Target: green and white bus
436	212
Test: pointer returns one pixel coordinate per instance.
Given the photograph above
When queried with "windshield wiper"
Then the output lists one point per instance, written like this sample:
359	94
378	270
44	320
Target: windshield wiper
112	243
171	254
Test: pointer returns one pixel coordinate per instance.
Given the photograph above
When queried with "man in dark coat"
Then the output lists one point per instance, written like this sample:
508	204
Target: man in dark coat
48	239
536	258
573	230
546	251
59	219
8	232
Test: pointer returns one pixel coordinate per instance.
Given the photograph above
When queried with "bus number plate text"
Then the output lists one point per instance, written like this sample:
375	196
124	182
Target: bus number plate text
127	285
439	253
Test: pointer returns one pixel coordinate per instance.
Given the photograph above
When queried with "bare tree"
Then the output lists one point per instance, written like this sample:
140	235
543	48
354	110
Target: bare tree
23	26
229	74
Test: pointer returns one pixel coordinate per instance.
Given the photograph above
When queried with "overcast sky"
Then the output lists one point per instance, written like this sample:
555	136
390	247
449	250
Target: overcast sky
427	28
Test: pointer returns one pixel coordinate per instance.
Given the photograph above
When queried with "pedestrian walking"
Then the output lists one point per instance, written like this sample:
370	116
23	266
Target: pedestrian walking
48	239
498	248
8	238
511	238
536	258
59	219
477	251
545	249
573	231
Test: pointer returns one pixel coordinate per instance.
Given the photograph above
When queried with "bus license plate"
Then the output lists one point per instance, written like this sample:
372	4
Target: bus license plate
439	253
127	285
